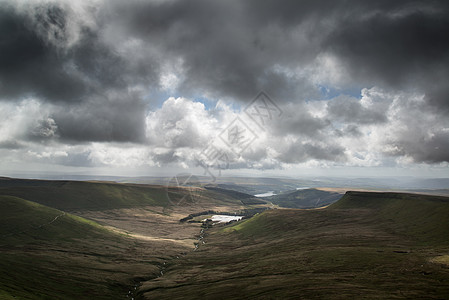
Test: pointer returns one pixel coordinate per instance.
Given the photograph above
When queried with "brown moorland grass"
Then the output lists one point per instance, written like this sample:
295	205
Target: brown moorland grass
363	247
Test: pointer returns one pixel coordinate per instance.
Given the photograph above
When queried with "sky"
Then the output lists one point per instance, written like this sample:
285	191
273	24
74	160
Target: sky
294	88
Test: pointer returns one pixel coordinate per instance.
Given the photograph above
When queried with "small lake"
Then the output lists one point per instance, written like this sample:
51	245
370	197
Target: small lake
267	194
225	218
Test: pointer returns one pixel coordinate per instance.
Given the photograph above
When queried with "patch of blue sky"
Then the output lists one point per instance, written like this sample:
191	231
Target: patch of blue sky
328	92
157	97
208	103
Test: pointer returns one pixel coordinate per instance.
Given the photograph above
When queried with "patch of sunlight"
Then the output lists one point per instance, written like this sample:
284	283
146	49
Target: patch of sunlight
442	259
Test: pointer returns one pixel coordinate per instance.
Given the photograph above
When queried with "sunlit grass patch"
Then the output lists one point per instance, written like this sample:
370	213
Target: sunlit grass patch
442	259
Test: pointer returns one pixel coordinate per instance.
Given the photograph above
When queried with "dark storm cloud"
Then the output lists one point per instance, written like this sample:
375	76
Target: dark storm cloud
403	46
350	110
118	118
297	120
225	54
226	49
421	148
348	130
235	49
231	49
301	152
10	145
80	159
36	60
44	129
29	65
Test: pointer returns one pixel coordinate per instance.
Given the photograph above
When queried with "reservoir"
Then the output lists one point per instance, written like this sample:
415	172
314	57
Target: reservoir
225	218
267	194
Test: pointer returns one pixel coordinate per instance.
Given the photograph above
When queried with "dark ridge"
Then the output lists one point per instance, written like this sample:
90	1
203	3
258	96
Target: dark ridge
233	194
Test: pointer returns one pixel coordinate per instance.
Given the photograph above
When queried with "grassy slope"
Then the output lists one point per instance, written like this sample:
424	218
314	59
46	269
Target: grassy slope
244	198
421	217
309	198
78	195
363	247
82	195
68	258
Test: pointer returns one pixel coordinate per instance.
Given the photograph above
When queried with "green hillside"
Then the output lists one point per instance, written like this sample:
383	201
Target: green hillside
82	195
308	198
48	254
79	195
421	217
23	221
245	199
359	248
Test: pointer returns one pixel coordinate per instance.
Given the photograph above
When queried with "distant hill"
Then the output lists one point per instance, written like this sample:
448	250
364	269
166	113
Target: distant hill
246	199
308	198
235	187
83	195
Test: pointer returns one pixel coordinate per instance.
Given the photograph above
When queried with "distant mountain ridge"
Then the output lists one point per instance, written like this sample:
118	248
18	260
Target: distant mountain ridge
89	195
308	198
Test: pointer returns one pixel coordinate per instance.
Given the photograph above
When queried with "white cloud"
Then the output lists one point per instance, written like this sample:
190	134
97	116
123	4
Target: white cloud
307	135
180	123
28	118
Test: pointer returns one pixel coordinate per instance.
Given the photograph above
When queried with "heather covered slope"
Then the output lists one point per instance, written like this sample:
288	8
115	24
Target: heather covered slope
362	247
24	221
423	218
83	195
49	254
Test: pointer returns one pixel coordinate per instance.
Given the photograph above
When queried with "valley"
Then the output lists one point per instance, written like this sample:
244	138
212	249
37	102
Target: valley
84	240
105	240
383	248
